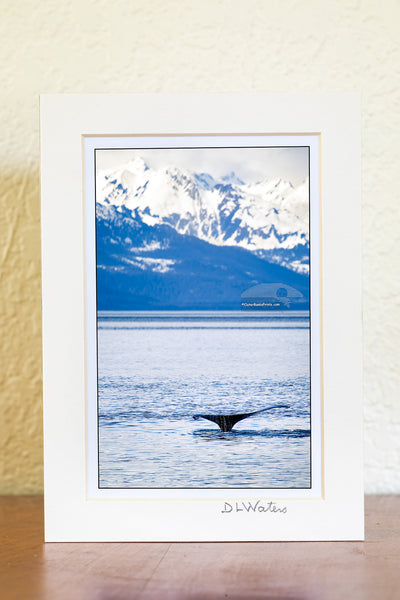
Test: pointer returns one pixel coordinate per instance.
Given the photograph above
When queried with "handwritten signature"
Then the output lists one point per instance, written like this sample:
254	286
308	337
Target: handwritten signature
259	506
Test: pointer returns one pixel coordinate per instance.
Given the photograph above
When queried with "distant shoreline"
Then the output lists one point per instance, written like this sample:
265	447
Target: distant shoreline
201	314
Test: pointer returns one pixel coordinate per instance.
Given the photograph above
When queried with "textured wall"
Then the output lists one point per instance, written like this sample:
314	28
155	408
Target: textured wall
196	46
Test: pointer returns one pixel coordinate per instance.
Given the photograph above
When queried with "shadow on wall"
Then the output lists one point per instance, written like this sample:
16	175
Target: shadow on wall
21	437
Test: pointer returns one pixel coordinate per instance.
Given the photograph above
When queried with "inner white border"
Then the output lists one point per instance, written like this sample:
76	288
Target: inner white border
95	142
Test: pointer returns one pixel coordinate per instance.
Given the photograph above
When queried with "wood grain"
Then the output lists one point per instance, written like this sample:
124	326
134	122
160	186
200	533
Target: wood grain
31	570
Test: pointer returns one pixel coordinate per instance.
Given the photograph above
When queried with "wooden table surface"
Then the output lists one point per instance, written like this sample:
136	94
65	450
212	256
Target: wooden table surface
29	569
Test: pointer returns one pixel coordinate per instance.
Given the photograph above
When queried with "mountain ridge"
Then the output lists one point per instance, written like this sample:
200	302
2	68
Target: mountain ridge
153	267
268	218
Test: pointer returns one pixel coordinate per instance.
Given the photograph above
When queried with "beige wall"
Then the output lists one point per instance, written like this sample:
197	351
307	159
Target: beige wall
196	46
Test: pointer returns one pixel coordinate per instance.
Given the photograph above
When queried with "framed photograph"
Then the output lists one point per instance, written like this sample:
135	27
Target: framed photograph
202	317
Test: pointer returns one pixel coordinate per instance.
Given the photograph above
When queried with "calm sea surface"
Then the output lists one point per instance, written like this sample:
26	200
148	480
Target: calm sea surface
158	369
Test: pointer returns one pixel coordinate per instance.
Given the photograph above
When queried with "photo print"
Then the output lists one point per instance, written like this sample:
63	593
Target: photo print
203	315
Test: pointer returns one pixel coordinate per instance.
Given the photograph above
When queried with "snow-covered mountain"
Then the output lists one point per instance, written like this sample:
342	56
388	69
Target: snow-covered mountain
143	267
268	218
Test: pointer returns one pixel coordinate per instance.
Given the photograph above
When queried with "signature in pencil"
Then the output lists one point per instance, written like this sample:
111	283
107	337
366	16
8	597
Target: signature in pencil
254	506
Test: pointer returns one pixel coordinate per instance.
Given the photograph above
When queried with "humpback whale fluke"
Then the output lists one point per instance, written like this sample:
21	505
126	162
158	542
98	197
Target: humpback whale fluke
226	422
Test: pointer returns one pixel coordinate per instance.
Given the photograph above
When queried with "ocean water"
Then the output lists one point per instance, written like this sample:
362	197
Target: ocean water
158	369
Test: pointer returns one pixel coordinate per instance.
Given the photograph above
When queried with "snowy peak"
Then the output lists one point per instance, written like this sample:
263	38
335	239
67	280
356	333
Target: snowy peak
205	180
269	217
232	178
137	165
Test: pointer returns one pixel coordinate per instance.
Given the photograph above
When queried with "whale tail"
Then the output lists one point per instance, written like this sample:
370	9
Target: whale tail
226	422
